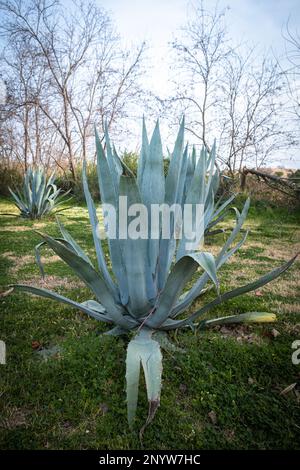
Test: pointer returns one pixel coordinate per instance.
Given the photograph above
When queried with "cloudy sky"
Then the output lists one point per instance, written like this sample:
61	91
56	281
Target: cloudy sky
257	22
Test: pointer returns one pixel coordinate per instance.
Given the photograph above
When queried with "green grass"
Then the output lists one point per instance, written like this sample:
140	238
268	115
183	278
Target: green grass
76	398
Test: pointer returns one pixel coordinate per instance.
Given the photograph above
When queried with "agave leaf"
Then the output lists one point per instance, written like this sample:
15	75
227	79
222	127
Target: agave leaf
167	246
116	331
143	155
93	305
38	196
198	287
270	276
178	278
91	278
135	255
223	206
211	165
18	201
249	317
96	236
109	196
195	195
152	188
162	338
113	167
143	350
60	298
67	236
235	231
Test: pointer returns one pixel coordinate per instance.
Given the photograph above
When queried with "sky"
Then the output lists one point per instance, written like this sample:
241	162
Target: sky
257	22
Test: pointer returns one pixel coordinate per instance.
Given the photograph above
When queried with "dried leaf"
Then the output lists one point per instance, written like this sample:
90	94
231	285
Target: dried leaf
213	417
288	389
36	345
6	293
275	333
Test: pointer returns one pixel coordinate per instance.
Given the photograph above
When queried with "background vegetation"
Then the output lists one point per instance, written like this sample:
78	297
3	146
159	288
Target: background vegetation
63	386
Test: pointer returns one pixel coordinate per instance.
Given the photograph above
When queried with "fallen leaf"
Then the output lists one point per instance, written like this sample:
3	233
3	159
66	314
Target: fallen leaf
36	345
6	293
288	389
213	417
275	333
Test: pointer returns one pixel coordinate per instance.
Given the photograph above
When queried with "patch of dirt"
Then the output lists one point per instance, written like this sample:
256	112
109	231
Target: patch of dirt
18	261
17	417
50	282
290	288
15	228
39	224
242	333
289	308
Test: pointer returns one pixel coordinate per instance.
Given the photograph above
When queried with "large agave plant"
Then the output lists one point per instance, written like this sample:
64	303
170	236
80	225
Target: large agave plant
142	293
38	196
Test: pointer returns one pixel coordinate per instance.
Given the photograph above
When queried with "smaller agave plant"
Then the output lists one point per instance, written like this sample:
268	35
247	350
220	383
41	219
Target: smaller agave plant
38	196
141	293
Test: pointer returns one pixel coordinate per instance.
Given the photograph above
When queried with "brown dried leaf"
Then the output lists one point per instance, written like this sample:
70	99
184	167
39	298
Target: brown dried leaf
288	389
213	417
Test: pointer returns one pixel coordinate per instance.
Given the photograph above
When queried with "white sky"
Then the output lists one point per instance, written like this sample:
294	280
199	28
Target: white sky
156	21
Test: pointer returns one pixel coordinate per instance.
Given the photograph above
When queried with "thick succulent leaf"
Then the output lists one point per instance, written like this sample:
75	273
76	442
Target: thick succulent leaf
173	176
116	331
112	164
142	350
18	201
223	206
135	255
241	219
152	187
172	184
93	305
191	165
109	196
249	317
60	298
181	186
96	236
198	287
165	343
38	196
270	276
37	250
91	278
143	155
68	237
180	275
195	195
153	180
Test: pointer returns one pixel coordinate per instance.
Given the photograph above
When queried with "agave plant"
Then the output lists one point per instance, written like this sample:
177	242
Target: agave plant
38	196
143	290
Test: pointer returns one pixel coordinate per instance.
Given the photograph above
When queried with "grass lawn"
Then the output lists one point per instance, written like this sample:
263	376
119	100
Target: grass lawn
223	392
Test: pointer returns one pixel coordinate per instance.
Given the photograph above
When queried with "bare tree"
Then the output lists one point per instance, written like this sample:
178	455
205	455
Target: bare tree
292	41
228	92
201	51
85	76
